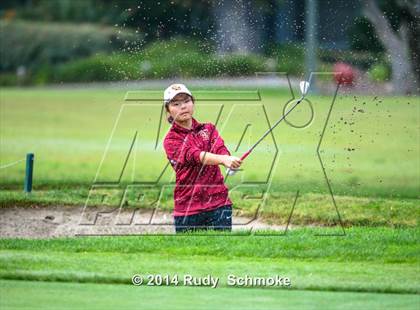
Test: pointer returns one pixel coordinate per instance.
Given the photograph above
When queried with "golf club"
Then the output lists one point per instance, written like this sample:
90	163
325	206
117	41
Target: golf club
304	87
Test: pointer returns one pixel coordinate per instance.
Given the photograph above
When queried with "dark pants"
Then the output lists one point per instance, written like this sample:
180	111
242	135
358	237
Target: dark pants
218	219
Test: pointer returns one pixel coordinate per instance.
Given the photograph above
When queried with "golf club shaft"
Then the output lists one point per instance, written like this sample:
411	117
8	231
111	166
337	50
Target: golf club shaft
246	154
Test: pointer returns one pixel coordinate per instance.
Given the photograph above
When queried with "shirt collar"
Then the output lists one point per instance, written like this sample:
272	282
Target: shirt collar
195	126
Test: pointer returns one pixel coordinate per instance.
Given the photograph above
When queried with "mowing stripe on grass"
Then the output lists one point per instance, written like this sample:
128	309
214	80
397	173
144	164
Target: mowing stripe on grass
119	268
38	295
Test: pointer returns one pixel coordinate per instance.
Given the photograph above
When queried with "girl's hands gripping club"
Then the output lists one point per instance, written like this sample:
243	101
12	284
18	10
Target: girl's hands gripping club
232	163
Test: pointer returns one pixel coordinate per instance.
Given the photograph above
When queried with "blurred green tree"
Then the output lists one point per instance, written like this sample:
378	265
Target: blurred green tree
156	19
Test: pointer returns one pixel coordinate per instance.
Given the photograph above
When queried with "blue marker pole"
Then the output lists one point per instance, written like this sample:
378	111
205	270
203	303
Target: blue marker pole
29	172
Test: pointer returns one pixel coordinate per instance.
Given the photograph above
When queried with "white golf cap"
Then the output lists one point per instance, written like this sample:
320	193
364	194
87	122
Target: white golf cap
174	90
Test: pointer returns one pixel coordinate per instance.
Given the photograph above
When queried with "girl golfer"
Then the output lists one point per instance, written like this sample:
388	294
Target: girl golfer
195	151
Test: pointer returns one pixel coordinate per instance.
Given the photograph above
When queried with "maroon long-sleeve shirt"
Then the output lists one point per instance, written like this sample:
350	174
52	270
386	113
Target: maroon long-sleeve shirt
199	187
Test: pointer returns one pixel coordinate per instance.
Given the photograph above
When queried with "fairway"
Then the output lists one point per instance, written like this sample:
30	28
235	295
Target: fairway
389	252
370	267
370	146
51	295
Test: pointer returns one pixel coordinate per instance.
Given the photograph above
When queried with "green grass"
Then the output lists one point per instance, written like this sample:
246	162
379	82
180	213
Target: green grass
376	183
369	260
368	268
107	296
362	243
68	131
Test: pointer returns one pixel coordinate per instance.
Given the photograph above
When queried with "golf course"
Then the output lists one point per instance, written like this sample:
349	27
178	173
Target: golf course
339	180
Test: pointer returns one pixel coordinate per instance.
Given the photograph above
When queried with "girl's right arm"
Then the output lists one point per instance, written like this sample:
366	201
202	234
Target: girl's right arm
207	158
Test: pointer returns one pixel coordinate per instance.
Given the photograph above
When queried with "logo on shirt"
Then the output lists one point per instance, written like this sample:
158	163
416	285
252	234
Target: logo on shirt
204	134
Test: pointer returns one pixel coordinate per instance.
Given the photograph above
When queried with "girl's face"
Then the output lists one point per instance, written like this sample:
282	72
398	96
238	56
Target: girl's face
181	108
